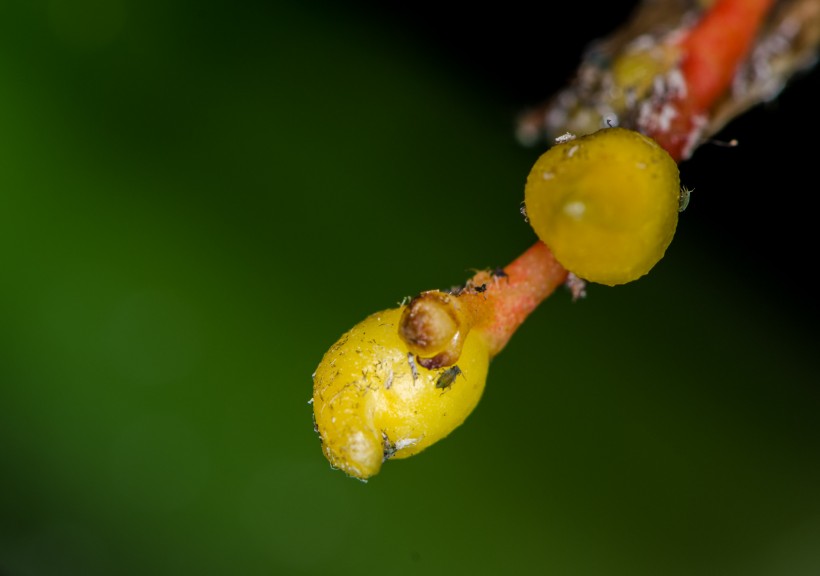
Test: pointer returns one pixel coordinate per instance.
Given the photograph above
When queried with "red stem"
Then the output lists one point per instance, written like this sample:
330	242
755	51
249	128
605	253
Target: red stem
529	280
715	47
711	52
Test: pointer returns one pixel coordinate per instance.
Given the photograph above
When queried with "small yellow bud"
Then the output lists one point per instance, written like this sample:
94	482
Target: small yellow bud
606	204
372	400
636	70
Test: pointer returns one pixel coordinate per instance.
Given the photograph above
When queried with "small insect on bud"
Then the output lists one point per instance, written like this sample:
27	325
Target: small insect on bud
448	377
685	194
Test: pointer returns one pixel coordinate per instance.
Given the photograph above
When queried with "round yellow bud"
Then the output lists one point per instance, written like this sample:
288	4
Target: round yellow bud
606	204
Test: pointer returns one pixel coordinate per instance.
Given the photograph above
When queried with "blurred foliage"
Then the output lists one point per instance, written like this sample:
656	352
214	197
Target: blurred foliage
197	199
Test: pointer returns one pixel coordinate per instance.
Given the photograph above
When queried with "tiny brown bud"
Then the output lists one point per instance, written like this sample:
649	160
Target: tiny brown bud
434	326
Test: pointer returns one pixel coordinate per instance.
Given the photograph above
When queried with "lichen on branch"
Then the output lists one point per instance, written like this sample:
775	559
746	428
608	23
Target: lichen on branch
680	70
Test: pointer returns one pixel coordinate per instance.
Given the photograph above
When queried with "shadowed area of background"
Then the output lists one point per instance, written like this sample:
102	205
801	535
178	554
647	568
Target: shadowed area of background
197	199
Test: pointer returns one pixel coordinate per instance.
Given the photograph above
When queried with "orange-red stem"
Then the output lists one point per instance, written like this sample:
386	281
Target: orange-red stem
527	281
715	46
711	53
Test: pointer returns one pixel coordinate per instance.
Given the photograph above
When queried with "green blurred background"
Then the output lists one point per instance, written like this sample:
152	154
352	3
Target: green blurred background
197	199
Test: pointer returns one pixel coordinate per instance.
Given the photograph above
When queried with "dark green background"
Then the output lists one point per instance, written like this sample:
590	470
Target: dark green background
197	199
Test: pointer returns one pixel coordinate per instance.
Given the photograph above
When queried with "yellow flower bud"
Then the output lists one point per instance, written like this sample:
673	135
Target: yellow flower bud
606	204
372	400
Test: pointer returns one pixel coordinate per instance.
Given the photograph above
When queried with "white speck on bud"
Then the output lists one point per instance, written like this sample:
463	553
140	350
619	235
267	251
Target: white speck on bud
575	209
523	211
405	442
